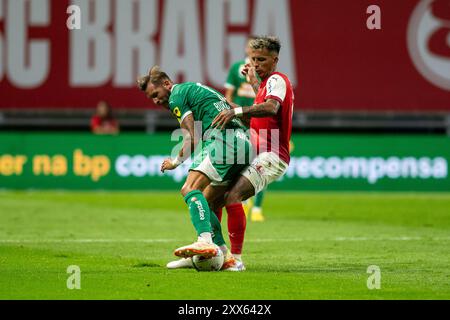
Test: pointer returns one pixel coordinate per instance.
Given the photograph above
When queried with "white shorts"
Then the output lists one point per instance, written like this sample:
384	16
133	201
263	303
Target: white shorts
206	167
265	168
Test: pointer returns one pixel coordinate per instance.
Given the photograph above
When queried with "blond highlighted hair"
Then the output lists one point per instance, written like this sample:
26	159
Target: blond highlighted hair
272	44
155	76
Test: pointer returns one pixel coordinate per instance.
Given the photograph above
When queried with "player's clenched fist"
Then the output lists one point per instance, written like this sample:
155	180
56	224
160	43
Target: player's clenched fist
168	164
250	72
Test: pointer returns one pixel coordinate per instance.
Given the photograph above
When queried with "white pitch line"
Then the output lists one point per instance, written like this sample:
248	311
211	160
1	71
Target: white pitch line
85	240
351	239
403	238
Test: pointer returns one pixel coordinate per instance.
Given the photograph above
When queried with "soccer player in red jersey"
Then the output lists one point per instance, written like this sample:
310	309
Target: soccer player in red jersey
270	122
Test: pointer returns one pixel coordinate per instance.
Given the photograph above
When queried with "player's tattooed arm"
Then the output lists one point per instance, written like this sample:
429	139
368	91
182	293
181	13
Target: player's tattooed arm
255	87
189	142
262	110
266	109
245	119
189	139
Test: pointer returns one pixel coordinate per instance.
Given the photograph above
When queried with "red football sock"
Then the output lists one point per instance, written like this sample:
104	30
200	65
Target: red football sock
237	223
218	213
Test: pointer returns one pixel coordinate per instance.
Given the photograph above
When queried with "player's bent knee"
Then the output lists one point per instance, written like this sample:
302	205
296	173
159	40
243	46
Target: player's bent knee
241	191
233	197
186	189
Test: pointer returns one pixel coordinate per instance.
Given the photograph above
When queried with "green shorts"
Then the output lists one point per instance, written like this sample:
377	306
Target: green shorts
223	156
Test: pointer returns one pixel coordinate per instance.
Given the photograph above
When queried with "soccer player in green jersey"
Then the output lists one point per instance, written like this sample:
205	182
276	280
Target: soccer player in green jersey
220	155
237	87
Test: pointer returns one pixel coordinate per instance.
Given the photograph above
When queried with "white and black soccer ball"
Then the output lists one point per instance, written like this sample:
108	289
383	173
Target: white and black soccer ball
208	264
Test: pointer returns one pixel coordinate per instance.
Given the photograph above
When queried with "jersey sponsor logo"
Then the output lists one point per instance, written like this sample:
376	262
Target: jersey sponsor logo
260	168
271	83
429	41
221	105
177	113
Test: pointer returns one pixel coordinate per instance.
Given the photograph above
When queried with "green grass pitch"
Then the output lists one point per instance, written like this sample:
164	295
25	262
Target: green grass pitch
312	246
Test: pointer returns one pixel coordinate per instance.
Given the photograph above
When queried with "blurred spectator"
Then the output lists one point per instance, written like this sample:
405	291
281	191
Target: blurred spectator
103	121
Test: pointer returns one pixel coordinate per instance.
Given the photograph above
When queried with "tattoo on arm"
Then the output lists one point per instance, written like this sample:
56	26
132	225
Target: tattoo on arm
266	109
188	137
255	86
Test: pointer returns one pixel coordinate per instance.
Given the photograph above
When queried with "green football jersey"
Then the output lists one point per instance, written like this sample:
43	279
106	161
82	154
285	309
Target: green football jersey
204	103
243	94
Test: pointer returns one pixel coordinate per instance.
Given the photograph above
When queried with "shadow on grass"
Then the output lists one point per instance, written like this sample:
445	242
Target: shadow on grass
146	265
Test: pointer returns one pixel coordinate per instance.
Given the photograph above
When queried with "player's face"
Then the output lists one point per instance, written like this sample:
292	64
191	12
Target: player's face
159	94
264	61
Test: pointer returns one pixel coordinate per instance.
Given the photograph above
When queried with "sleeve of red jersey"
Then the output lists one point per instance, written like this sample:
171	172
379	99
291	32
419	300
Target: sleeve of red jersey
275	88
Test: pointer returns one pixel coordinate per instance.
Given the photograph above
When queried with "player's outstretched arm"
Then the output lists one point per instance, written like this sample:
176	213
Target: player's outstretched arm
262	110
187	148
189	139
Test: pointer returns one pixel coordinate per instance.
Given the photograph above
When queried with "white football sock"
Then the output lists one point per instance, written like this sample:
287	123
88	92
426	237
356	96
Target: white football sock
205	237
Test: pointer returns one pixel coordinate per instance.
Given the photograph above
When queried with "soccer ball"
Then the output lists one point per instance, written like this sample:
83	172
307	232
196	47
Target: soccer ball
208	264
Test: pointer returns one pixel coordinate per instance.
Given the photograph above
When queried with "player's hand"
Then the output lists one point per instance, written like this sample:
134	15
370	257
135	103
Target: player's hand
167	165
252	75
245	69
223	119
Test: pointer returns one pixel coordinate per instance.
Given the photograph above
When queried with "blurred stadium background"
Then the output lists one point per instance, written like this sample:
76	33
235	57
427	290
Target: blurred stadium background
349	79
372	108
389	86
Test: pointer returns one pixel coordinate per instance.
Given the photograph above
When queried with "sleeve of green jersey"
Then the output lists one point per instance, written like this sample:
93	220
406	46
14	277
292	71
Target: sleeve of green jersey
178	107
231	82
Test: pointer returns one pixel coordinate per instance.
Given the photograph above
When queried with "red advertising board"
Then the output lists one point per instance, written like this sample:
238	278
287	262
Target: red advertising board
332	50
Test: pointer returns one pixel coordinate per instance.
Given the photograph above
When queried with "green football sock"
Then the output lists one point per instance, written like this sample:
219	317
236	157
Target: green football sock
259	199
199	211
217	230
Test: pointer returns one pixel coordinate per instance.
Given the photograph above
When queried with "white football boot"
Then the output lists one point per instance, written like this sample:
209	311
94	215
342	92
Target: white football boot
201	248
180	264
232	264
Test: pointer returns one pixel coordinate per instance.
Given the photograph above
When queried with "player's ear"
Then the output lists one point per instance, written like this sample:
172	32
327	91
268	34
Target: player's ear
167	84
